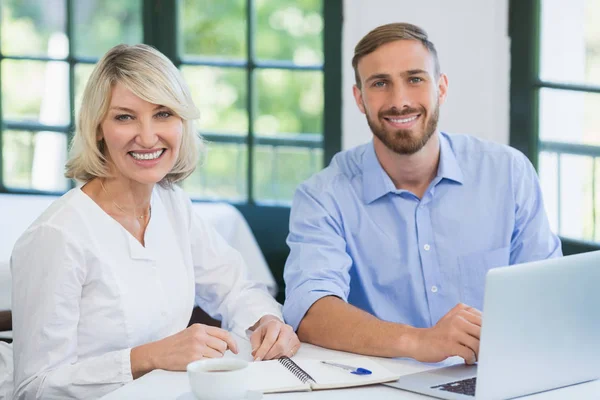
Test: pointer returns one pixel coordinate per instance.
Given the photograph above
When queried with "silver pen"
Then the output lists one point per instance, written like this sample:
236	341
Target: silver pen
353	370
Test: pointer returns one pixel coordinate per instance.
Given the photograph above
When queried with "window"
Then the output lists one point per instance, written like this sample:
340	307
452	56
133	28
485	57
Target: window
555	103
261	71
258	80
255	68
47	51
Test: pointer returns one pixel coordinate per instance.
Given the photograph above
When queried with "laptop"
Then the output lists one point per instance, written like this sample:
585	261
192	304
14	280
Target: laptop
540	331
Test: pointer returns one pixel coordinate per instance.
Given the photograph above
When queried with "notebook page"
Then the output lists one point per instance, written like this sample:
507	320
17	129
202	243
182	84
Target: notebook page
272	377
328	377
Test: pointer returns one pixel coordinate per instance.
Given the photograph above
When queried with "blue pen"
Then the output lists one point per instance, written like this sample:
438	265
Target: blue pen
353	370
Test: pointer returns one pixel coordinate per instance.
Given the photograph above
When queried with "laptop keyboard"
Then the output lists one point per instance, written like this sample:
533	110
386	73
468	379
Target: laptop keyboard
465	386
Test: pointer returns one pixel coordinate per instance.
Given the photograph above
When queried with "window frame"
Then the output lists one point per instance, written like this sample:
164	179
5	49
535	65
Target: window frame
268	221
36	126
160	29
525	85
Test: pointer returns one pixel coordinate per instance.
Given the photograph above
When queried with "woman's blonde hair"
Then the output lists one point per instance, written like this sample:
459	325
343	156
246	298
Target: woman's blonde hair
151	76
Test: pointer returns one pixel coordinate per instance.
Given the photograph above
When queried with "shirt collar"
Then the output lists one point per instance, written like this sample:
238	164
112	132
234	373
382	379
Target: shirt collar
448	167
377	183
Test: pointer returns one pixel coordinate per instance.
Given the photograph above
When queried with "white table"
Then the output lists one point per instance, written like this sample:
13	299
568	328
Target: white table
165	385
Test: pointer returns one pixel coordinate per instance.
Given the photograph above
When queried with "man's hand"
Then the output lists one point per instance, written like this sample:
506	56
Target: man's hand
456	334
273	339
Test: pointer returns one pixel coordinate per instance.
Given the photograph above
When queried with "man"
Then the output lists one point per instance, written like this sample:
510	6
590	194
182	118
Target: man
390	244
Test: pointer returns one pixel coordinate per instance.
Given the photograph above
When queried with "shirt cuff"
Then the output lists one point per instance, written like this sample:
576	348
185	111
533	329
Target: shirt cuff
126	374
253	313
299	301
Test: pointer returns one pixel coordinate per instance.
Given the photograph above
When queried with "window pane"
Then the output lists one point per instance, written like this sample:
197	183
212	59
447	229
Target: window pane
223	175
289	101
567	116
33	28
570	41
290	30
280	169
82	74
576	197
572	215
34	160
220	94
36	91
213	28
100	25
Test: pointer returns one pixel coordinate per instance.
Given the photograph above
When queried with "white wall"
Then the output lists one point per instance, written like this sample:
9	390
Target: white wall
471	37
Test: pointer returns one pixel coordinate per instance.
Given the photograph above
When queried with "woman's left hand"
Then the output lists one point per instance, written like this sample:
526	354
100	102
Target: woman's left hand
273	339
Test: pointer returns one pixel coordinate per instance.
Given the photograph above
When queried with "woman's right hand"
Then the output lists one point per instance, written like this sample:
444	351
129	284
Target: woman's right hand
175	352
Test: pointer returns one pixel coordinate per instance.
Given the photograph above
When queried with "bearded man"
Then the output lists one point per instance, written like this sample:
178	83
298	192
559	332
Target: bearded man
391	243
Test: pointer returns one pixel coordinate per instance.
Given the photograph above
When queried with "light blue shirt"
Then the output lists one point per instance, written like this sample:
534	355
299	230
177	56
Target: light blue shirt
408	260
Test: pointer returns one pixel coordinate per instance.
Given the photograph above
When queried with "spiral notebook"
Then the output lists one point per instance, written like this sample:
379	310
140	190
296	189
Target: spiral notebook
287	375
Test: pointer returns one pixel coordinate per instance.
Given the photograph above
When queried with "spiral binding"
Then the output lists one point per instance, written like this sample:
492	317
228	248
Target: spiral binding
296	370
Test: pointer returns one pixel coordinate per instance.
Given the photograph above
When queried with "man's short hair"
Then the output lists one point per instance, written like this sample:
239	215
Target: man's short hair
390	33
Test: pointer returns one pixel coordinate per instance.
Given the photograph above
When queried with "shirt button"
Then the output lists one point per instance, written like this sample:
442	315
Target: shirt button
427	247
434	289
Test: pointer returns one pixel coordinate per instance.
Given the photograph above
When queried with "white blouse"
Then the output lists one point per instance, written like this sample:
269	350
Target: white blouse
85	292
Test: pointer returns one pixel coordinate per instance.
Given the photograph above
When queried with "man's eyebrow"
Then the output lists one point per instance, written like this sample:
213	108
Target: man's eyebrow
377	76
412	72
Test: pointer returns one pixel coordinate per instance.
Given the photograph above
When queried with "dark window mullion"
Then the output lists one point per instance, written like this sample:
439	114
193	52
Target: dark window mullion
574	87
250	21
159	23
283	65
33	58
286	65
228	138
304	140
69	58
33	126
332	78
570	148
2	187
83	60
205	62
524	30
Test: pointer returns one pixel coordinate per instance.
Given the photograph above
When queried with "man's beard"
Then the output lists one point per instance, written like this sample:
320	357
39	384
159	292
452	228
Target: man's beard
403	141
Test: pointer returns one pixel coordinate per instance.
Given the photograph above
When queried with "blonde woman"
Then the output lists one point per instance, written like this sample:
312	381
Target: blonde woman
105	280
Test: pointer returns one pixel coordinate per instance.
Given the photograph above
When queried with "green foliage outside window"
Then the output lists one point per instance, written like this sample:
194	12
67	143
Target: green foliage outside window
286	102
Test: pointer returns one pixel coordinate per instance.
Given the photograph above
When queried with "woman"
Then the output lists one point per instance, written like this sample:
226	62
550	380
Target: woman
105	280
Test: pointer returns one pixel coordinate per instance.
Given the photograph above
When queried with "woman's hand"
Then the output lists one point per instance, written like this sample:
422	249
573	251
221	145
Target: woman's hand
273	339
175	352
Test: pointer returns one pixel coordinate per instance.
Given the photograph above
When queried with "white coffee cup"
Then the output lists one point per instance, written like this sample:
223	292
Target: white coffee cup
219	378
